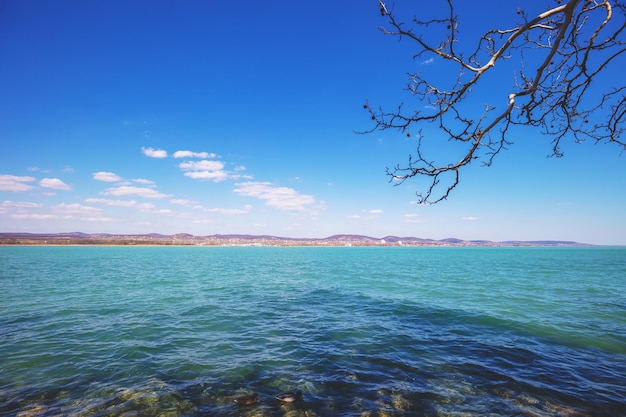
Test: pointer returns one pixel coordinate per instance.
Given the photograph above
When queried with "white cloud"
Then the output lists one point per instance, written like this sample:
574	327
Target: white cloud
469	218
76	208
15	183
245	210
216	176
190	154
369	215
143	181
203	165
19	208
202	221
183	202
59	212
204	170
412	218
97	219
19	205
121	203
75	211
125	190
428	61
282	198
54	183
106	176
237	177
33	216
154	153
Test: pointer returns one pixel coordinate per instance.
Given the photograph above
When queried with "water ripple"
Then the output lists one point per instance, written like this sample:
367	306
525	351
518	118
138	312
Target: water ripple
184	331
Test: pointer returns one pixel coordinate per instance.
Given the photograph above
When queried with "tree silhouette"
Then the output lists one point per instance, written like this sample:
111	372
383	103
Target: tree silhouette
554	62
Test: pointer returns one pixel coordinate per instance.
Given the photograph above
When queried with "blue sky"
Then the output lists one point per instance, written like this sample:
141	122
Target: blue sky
240	117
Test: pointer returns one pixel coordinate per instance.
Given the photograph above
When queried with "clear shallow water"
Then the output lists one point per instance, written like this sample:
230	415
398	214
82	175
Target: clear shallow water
182	331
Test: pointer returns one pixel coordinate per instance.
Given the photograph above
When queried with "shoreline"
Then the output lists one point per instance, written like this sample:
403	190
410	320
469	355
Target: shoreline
81	239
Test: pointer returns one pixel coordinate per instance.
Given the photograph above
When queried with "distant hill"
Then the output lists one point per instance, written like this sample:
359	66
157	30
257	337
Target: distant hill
78	238
542	242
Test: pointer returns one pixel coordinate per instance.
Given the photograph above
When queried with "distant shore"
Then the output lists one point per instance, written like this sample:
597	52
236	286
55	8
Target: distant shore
184	239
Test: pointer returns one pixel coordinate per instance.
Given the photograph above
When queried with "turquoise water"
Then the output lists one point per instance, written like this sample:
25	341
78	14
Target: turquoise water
183	331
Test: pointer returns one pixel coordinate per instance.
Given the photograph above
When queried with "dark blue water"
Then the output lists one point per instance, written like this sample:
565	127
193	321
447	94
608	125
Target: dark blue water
183	331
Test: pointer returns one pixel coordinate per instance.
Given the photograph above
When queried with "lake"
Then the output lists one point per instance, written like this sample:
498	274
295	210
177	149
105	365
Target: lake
420	331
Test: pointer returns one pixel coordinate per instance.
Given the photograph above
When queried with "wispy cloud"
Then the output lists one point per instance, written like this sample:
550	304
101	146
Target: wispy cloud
197	206
81	212
203	221
125	191
204	170
469	218
154	153
412	218
120	203
55	184
33	216
183	202
215	176
369	215
75	208
282	198
15	183
204	165
59	212
143	181
190	154
106	176
245	210
9	205
22	210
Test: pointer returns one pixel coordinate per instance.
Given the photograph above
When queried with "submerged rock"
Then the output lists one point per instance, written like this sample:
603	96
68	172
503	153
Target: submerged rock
247	399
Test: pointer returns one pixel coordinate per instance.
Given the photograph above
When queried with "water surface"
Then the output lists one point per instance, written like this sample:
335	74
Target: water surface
183	331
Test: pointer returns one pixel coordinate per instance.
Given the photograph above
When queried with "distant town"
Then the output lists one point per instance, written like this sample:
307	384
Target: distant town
184	239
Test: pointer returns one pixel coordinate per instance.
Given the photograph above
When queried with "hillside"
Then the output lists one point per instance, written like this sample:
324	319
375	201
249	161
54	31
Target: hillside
184	239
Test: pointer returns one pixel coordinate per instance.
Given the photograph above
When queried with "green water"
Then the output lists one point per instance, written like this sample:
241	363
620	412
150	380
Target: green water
120	331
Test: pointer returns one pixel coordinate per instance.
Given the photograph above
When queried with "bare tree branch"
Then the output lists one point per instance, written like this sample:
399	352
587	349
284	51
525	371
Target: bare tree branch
557	87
